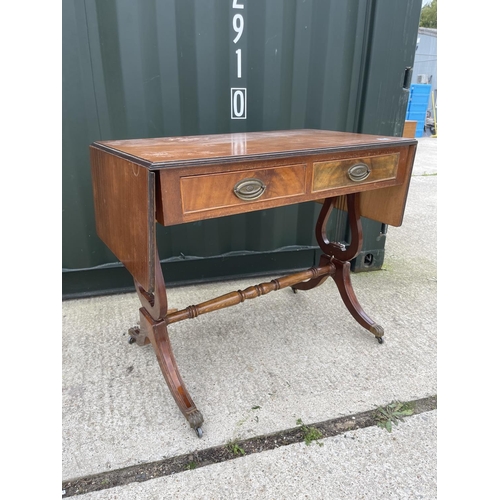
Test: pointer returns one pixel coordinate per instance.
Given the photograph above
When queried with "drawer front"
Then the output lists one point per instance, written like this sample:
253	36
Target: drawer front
245	187
354	171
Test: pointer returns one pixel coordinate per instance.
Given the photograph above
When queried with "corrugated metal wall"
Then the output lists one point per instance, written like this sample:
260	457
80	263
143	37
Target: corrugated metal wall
150	68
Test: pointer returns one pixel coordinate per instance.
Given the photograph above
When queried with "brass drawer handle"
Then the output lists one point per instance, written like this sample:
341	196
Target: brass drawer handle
358	172
249	189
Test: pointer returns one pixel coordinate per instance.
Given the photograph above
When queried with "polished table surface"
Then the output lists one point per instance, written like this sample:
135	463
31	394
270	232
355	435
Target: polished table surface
164	152
174	180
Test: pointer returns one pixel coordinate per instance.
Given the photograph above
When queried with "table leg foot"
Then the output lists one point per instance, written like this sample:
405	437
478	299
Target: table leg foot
137	336
378	331
342	278
156	331
195	419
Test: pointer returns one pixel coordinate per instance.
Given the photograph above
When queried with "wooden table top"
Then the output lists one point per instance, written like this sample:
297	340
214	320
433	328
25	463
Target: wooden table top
167	152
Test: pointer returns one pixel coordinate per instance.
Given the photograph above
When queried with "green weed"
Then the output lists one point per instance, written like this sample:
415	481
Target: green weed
385	416
310	433
235	448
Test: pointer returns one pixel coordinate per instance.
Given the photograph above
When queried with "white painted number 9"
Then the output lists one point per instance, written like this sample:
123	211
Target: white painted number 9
238	24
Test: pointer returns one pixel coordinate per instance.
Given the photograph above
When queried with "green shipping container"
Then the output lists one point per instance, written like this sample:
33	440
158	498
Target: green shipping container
136	69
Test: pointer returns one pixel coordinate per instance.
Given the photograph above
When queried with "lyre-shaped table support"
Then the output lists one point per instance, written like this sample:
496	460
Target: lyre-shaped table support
339	256
155	316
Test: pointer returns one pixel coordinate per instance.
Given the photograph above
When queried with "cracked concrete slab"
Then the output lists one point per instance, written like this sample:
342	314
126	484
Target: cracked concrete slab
367	464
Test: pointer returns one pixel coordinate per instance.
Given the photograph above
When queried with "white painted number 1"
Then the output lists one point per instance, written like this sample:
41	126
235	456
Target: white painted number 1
238	63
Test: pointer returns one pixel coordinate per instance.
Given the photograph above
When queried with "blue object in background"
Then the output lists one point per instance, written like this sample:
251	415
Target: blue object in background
418	104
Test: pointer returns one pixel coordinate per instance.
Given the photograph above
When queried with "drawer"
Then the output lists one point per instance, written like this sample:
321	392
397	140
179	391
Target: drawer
354	171
241	188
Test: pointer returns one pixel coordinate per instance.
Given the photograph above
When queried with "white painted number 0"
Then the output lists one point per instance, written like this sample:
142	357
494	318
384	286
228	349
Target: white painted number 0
238	103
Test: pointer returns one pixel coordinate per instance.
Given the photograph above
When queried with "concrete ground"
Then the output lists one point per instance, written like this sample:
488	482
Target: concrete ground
309	359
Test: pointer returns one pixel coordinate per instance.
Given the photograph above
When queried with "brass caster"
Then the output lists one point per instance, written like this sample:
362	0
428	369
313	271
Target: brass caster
378	331
195	419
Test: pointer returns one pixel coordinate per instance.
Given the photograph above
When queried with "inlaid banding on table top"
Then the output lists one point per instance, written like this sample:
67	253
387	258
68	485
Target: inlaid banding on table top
168	152
336	173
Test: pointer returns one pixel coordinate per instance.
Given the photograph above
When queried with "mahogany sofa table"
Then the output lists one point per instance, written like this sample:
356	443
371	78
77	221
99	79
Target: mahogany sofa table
173	180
